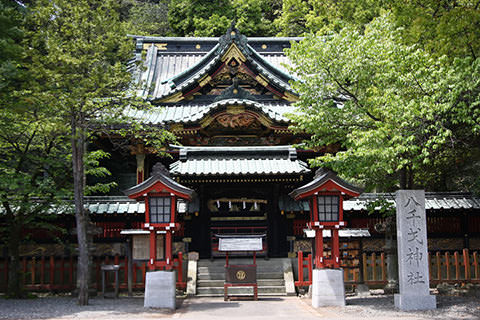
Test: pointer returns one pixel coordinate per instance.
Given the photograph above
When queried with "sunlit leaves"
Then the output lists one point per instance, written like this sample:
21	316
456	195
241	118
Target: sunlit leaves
393	107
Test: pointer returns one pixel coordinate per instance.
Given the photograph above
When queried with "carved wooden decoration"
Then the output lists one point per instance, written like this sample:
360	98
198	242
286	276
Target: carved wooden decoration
229	120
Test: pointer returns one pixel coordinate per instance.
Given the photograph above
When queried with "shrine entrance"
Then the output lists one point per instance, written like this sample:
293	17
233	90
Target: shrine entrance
237	216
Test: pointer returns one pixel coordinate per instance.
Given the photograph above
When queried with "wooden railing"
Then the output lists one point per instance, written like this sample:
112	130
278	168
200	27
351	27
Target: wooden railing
448	266
59	273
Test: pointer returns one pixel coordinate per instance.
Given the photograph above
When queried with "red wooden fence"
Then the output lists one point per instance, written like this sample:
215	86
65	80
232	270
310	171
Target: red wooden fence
449	267
59	273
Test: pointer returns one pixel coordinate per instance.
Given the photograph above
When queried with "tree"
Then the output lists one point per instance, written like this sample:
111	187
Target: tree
324	16
145	17
449	28
32	154
78	59
400	114
33	182
213	18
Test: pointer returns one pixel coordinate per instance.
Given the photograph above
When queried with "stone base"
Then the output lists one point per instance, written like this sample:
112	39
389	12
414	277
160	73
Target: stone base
160	289
409	302
328	288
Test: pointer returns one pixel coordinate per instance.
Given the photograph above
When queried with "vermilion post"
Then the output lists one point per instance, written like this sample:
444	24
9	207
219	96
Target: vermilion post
300	266
319	248
335	249
168	249
153	250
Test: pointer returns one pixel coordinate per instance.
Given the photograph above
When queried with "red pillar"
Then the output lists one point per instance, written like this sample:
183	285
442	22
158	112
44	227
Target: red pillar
319	248
335	248
168	249
153	250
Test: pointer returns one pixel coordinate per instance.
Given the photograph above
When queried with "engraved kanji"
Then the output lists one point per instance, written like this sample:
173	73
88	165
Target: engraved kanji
412	199
414	278
414	256
412	216
413	235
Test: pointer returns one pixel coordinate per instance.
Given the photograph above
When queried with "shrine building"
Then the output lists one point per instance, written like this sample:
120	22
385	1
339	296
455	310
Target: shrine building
236	169
226	100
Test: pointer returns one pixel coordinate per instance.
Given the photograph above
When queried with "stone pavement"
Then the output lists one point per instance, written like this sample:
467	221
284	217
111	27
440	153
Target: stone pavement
371	308
265	308
281	308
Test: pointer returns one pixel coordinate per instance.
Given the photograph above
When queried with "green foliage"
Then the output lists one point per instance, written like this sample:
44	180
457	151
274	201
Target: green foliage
78	53
394	108
32	154
382	206
145	17
94	169
10	49
324	16
449	28
212	18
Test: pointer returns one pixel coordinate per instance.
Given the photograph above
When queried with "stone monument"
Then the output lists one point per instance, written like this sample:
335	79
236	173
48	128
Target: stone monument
328	288
412	252
160	289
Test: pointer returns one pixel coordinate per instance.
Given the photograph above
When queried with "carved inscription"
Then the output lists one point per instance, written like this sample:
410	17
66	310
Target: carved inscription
412	242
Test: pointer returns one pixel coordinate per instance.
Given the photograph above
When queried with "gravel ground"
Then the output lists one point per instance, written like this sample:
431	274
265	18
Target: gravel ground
382	307
66	308
373	307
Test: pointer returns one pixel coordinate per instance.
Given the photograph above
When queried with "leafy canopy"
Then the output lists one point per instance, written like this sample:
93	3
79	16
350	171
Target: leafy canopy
394	108
212	18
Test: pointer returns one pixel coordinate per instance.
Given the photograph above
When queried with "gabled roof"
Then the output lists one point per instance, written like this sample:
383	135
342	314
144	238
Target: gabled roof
160	179
326	180
174	66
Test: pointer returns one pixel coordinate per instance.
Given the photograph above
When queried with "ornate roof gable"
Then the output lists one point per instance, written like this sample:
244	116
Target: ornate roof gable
231	57
326	180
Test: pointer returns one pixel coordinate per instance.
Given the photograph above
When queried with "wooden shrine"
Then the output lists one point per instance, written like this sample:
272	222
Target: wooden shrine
160	194
326	194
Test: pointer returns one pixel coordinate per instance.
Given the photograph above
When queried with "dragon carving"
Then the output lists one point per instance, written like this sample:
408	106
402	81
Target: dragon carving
235	120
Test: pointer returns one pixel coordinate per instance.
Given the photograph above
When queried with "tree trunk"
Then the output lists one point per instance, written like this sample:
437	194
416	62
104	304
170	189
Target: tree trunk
15	286
78	148
403	178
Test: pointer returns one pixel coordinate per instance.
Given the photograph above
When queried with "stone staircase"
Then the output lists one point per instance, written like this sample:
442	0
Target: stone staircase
271	277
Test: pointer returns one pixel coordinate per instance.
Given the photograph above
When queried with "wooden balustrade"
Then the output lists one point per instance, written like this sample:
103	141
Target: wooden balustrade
463	268
59	273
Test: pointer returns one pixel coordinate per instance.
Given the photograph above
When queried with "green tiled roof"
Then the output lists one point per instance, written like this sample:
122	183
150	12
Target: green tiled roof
215	161
189	113
433	202
213	167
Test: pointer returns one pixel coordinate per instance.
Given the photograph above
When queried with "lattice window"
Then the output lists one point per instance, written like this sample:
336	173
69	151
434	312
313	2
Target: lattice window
159	209
328	208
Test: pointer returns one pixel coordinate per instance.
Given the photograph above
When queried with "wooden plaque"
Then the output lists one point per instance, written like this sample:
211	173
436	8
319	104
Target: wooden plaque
141	247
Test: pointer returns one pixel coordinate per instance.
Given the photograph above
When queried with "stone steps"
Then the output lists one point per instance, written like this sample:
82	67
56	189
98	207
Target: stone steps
270	277
221	275
260	283
262	291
